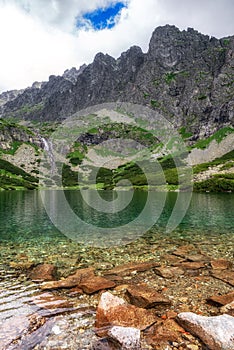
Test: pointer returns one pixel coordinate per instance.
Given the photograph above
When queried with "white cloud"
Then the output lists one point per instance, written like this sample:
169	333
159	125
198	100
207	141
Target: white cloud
39	37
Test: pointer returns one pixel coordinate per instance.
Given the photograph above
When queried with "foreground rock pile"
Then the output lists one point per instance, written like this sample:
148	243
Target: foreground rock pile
183	301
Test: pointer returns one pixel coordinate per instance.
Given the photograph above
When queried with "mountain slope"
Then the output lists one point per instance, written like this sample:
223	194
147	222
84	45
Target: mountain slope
186	75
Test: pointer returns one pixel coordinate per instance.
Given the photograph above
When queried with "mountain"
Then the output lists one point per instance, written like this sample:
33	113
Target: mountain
187	76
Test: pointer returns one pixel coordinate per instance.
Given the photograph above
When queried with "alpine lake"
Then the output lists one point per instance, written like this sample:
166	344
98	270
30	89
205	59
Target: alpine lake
28	238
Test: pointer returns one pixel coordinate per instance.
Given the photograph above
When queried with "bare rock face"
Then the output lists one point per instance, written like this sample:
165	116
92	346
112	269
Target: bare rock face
216	332
114	311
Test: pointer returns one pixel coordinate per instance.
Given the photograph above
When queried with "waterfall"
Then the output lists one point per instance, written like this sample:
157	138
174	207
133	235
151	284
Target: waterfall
48	147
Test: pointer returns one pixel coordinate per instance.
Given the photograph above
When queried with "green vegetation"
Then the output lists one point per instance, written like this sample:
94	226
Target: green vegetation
170	77
202	97
226	42
218	136
155	104
12	177
185	134
215	184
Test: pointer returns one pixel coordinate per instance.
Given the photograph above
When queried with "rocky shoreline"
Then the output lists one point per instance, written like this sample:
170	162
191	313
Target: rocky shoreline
182	300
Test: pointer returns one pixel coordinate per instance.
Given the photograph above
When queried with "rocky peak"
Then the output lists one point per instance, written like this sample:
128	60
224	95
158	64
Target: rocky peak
73	73
131	58
185	75
169	46
9	95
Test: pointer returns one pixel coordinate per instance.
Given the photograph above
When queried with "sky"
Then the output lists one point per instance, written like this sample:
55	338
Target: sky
39	38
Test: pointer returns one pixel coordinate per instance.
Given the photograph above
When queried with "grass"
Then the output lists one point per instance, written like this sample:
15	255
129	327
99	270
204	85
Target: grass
215	184
12	177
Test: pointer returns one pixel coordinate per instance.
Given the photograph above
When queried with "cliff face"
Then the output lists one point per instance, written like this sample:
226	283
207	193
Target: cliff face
185	75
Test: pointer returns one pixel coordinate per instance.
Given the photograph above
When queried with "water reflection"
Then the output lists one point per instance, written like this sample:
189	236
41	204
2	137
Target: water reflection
23	216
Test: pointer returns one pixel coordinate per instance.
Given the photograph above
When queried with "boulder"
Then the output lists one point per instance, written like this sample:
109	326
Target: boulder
216	332
115	311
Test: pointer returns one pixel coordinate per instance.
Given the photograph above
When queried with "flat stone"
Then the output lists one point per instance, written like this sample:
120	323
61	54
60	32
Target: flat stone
164	332
71	281
222	299
221	264
216	332
225	276
127	269
191	265
197	257
114	311
145	297
127	337
43	272
172	258
96	283
228	309
184	250
169	272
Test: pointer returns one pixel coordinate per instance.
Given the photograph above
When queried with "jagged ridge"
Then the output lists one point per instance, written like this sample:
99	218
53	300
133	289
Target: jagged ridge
187	76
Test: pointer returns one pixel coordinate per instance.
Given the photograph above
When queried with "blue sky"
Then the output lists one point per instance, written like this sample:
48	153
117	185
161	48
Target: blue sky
103	17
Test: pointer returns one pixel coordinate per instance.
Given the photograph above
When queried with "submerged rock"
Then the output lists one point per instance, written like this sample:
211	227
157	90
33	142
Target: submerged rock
127	269
96	283
70	281
43	272
216	332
